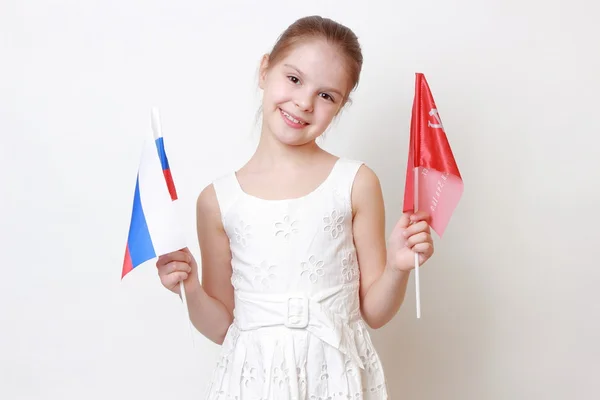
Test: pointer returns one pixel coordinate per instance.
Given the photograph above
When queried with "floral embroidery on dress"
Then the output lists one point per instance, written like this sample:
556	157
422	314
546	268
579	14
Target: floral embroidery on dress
263	273
242	233
349	268
286	228
301	373
350	367
223	362
333	223
312	268
370	361
248	374
280	375
324	374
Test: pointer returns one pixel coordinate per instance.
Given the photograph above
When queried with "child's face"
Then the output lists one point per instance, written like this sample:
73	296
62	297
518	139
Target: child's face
303	92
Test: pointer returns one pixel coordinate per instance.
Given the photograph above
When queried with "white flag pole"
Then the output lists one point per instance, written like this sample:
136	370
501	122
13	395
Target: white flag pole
157	130
416	206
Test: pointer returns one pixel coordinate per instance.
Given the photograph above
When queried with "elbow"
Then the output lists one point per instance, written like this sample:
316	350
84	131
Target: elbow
377	321
221	334
218	337
375	325
218	340
373	322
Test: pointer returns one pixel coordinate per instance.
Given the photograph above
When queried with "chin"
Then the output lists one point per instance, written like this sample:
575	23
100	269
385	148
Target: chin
292	139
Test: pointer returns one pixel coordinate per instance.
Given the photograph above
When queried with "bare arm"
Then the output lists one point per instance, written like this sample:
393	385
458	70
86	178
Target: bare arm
211	303
384	267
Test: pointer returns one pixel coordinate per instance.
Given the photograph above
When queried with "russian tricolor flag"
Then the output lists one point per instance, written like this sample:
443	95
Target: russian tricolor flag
154	228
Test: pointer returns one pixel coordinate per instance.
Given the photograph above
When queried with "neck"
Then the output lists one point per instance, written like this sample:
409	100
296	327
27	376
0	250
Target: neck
271	152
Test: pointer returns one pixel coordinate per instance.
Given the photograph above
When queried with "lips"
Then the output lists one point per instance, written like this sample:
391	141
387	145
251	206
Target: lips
292	118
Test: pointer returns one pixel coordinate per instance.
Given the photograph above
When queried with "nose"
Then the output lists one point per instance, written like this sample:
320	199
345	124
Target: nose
304	101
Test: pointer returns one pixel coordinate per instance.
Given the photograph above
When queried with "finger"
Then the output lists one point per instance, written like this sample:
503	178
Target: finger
175	266
422	237
179	255
421	215
418	227
404	221
423	248
172	280
182	266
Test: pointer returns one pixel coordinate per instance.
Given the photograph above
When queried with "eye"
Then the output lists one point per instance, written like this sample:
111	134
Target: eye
293	79
327	97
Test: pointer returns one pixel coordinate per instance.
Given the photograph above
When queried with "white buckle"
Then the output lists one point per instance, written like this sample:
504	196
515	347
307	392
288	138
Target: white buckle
297	313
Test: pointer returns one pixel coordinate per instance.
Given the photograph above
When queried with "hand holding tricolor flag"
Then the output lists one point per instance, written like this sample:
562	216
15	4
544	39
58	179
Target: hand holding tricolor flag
433	181
155	228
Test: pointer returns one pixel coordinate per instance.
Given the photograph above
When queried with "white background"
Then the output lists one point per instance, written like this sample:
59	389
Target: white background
510	302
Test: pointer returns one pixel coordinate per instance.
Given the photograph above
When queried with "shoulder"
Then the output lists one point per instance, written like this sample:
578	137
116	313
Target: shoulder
207	199
207	205
366	190
366	182
366	178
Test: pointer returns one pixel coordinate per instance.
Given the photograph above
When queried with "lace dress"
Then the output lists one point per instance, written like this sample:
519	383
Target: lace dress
297	331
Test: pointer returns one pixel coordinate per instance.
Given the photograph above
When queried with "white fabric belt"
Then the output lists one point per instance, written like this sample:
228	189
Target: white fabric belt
297	311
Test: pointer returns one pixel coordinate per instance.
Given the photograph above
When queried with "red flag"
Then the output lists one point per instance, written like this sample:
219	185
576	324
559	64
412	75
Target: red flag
439	184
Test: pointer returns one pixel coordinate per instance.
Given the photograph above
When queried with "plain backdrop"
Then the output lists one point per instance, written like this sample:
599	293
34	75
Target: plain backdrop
510	302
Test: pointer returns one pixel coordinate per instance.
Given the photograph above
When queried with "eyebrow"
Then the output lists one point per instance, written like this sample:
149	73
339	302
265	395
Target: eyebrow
302	75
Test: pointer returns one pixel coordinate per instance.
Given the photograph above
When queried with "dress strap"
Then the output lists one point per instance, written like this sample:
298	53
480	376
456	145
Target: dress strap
227	191
345	174
348	169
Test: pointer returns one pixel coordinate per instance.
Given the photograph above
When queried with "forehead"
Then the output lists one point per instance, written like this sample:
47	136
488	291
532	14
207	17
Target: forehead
320	62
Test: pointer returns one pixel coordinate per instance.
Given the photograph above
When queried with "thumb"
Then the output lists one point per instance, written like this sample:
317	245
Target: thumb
187	251
401	225
404	221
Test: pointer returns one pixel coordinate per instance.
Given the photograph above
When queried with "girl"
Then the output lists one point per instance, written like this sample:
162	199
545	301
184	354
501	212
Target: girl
295	265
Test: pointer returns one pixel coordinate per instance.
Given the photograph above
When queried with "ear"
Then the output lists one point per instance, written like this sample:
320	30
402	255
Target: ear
264	66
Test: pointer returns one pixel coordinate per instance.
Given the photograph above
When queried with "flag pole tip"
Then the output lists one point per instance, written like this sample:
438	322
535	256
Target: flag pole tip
156	129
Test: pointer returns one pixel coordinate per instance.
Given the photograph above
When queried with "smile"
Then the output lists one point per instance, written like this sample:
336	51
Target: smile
292	118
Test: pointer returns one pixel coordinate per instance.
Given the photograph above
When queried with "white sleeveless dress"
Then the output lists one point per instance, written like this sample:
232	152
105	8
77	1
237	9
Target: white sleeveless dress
297	331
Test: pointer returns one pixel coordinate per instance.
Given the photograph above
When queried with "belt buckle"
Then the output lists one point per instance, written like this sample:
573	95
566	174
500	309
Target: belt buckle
297	312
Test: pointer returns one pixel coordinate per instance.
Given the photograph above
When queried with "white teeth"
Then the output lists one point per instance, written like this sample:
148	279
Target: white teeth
288	116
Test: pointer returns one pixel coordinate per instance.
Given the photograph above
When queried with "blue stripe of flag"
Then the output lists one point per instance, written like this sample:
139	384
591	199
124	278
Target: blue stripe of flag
160	146
139	242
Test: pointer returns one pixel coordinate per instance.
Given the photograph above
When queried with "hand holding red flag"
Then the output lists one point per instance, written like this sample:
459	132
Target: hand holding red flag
411	234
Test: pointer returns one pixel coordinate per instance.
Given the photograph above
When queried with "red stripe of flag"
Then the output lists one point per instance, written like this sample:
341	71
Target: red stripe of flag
170	184
164	161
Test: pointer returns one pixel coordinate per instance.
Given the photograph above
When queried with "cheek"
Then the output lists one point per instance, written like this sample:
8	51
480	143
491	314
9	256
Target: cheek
325	113
278	92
